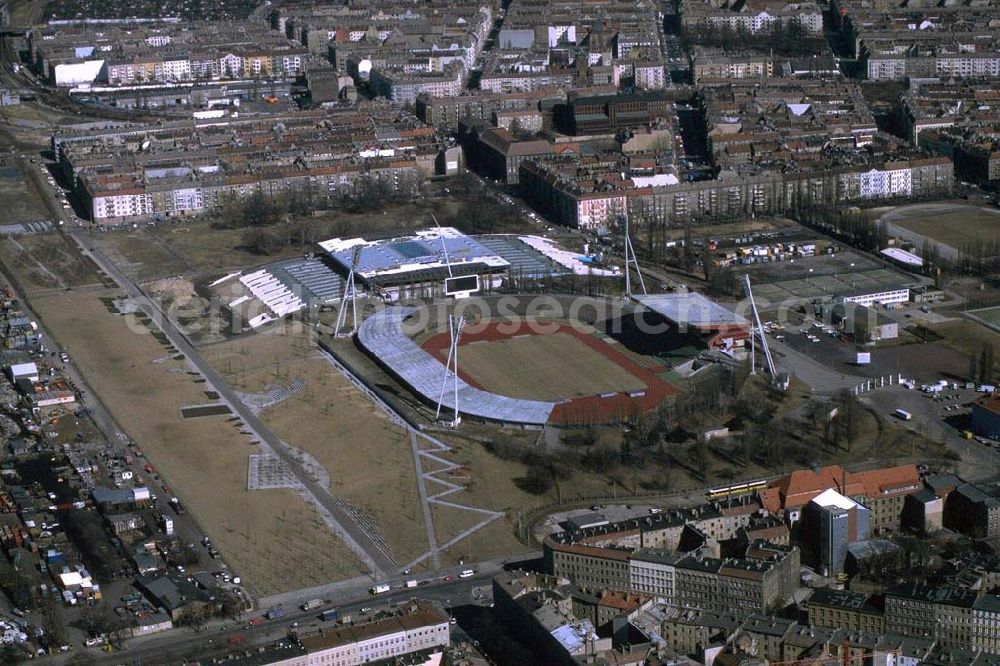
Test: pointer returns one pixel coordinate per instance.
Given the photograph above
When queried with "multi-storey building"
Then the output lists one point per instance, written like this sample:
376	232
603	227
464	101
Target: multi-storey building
411	627
882	491
180	168
763	576
943	613
986	623
654	571
752	18
161	52
843	609
709	63
447	112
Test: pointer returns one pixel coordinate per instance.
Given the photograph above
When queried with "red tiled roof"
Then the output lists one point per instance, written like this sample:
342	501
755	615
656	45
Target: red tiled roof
801	486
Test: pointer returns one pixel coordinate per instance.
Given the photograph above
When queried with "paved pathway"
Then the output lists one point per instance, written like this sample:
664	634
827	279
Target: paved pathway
330	508
442	465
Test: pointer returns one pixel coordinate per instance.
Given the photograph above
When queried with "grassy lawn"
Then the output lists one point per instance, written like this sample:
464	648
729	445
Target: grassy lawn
21	202
543	367
965	226
717	230
964	335
989	315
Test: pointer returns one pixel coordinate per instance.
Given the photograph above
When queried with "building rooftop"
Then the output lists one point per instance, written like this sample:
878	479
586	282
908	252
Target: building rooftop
948	596
690	308
439	248
831	498
825	596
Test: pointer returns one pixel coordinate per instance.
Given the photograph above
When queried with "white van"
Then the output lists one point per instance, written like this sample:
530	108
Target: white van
467	573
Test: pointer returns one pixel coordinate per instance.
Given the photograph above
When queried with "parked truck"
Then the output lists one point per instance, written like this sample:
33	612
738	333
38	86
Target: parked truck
903	415
312	604
275	613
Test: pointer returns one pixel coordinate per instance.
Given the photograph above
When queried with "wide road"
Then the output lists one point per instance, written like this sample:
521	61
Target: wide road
173	646
352	534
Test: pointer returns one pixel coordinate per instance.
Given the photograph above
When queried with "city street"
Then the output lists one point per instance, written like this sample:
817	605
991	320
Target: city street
172	646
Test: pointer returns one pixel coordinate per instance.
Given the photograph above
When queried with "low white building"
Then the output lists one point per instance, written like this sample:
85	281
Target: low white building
881	298
27	371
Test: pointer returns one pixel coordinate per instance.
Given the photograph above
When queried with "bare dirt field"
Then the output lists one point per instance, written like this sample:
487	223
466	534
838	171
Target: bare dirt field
21	202
718	230
272	537
47	261
368	459
965	336
543	367
962	226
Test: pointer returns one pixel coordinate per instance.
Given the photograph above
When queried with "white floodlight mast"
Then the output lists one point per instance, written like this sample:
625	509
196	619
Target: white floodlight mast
349	289
759	330
630	259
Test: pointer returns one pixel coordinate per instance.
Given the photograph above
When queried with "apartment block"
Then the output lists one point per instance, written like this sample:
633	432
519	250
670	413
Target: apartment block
129	172
843	609
166	51
942	613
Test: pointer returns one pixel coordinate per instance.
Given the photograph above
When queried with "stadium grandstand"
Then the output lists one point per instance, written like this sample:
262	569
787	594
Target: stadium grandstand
383	338
416	265
286	287
690	319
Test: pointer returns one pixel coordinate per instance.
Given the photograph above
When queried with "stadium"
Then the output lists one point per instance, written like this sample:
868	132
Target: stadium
555	360
515	368
523	360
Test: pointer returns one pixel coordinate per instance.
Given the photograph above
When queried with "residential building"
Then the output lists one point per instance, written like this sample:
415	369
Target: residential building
881	491
843	609
943	613
410	627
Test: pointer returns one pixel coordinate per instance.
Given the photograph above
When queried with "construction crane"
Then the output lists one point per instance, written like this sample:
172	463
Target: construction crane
757	330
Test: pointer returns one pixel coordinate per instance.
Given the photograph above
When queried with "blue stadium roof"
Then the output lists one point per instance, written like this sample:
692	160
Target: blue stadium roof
414	255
